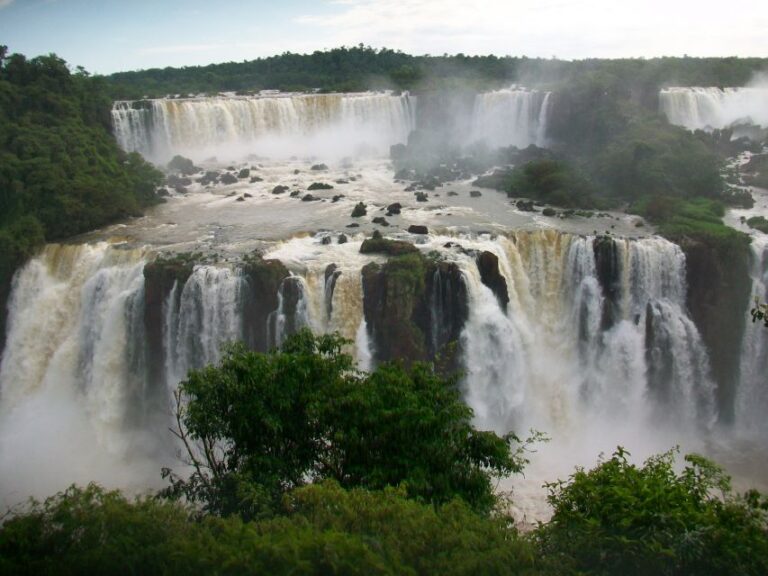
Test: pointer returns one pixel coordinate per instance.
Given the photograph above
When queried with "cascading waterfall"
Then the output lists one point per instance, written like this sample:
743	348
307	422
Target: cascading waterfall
552	360
72	381
511	117
595	341
752	395
201	317
272	125
713	108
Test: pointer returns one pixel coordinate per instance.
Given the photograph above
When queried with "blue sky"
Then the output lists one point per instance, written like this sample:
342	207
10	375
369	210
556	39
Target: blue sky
110	35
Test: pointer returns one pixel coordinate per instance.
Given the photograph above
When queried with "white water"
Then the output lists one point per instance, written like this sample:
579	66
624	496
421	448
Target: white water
71	390
511	117
329	125
752	395
71	373
713	108
205	317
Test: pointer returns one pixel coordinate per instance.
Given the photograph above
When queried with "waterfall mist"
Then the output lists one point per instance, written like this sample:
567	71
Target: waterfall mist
594	347
327	125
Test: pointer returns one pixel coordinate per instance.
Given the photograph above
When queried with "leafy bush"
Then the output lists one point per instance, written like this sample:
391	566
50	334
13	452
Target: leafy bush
258	425
619	518
322	529
552	181
61	171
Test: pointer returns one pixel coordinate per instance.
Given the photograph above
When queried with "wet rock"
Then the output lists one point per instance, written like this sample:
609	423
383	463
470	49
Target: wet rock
525	206
210	177
244	173
719	291
359	210
325	240
279	189
240	199
319	167
379	245
608	272
228	178
342	239
452	193
247	195
263	279
337	197
309	198
475	193
353	225
549	212
162	192
417	229
421	197
394	209
488	265
295	193
183	166
173	180
380	220
255	179
320	186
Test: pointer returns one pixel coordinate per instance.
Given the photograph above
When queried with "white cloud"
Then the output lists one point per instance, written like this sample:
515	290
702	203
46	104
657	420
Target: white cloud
566	28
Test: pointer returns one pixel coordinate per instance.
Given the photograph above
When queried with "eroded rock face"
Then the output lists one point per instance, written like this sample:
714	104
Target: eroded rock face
443	314
160	277
488	265
718	295
608	270
264	279
5	292
415	310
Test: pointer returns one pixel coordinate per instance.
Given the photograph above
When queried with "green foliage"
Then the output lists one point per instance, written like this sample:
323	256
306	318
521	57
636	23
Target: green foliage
415	538
61	172
698	218
758	223
360	67
319	186
653	158
258	425
322	529
623	519
388	247
552	181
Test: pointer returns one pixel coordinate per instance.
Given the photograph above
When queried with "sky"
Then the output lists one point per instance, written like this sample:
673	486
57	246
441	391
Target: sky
108	36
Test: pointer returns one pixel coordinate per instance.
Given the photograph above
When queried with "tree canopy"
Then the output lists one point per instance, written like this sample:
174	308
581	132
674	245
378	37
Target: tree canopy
258	425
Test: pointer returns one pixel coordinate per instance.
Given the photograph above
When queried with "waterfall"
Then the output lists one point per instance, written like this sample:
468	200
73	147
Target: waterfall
511	117
713	108
752	394
274	125
552	362
72	379
595	345
200	318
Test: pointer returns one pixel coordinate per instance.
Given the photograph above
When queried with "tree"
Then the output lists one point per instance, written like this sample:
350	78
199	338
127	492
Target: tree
623	519
322	529
258	425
